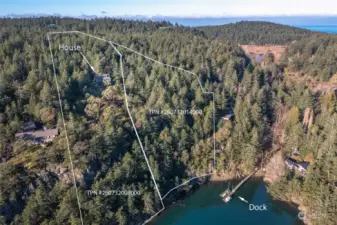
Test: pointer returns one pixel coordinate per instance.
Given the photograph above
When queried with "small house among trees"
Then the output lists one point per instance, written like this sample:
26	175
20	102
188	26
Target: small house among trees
37	137
300	167
29	126
52	25
104	78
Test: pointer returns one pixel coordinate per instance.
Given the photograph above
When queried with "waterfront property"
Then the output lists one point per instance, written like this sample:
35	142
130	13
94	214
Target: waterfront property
300	167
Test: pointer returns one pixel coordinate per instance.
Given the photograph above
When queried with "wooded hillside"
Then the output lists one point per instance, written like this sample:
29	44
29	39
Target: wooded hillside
256	32
315	55
36	185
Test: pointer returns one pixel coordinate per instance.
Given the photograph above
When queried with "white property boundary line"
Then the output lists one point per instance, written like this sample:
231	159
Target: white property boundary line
85	58
127	107
186	182
65	130
133	124
186	71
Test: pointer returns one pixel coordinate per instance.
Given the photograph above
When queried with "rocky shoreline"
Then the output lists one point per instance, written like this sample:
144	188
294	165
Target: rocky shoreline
222	176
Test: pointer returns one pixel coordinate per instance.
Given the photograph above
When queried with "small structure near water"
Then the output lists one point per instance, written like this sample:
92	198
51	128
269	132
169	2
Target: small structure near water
300	167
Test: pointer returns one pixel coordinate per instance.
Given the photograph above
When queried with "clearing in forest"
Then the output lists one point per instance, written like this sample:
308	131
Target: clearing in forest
254	51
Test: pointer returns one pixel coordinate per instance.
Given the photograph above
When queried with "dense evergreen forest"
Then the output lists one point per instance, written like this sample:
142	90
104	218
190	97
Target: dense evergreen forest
258	33
315	55
36	182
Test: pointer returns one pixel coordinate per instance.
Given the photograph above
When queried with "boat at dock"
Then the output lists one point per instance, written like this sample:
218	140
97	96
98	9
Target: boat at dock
226	195
227	199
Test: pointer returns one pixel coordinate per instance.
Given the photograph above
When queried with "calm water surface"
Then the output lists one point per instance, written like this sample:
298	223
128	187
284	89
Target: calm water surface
321	24
326	29
205	207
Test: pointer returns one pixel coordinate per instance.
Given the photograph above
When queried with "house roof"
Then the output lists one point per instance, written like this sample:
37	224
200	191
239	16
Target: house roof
29	126
292	162
37	134
304	164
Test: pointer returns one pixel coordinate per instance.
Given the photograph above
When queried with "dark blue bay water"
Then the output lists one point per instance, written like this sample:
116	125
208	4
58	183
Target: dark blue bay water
205	207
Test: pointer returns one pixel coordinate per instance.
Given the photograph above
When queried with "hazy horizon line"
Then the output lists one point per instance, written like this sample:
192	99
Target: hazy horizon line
104	15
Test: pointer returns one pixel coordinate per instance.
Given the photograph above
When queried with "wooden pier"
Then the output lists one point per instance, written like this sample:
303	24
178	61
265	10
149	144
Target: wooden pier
229	193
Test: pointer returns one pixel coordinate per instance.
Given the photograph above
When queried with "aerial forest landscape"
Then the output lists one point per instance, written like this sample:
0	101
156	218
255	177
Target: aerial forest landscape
147	106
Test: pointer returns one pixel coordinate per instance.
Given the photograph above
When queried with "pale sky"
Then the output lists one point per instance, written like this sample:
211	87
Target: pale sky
171	7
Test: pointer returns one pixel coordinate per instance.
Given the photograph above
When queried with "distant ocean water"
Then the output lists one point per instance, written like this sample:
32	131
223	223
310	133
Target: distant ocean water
314	23
326	29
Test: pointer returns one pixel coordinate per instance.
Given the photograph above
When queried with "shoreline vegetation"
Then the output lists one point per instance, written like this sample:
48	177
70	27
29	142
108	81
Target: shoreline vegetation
223	176
291	200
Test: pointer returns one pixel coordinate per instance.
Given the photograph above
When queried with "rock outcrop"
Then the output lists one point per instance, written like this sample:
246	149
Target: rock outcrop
65	174
275	168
